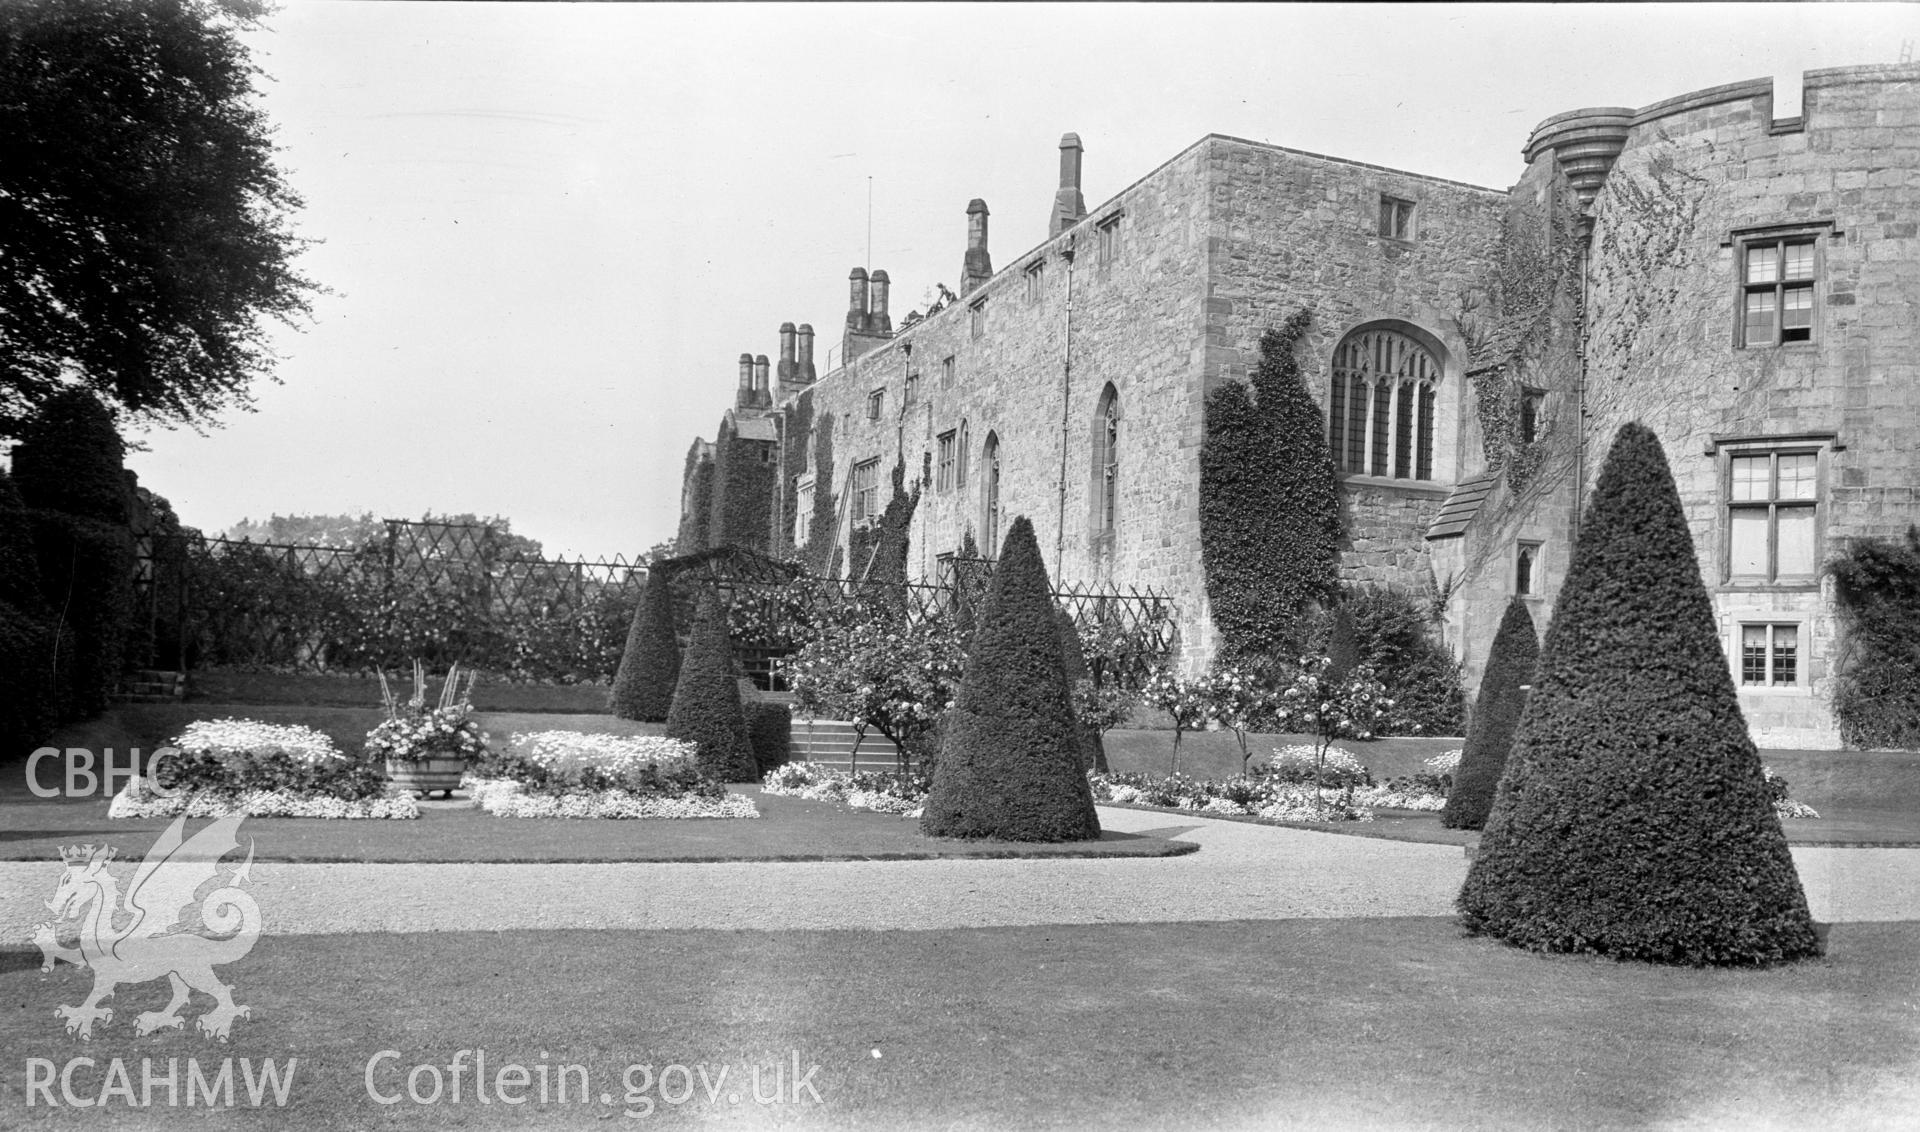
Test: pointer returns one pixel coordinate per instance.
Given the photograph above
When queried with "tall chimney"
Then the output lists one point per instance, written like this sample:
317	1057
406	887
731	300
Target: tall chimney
803	362
743	396
785	372
977	268
857	298
760	394
1069	207
877	320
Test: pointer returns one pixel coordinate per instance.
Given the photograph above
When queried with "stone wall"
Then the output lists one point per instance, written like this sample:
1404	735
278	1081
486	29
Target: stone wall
1700	173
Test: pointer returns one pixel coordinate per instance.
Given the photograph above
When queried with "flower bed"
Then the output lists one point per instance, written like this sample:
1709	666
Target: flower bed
882	793
568	774
228	766
1254	796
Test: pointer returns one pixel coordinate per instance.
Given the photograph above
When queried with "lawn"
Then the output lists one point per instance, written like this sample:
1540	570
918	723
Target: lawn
789	829
1371	1023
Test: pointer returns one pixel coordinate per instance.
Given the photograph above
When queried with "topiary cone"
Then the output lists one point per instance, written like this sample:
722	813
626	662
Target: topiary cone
1633	820
706	702
650	665
1510	670
1010	751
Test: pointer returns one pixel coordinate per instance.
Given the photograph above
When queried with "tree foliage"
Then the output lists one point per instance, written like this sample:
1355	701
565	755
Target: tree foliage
706	707
650	665
1270	524
1010	752
143	221
1633	819
1877	697
1510	670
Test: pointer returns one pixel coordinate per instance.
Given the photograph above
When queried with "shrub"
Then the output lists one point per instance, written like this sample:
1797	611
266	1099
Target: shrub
1634	819
71	459
1009	762
770	728
86	575
1876	700
706	702
650	666
1270	522
1393	633
30	659
1086	704
1510	668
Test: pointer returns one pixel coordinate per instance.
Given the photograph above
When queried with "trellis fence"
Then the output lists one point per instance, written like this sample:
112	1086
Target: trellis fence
772	606
438	592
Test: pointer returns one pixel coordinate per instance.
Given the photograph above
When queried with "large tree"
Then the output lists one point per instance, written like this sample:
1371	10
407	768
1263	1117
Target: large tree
143	222
1634	819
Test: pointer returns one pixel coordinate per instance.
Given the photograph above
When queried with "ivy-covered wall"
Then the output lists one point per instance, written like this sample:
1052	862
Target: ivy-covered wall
745	477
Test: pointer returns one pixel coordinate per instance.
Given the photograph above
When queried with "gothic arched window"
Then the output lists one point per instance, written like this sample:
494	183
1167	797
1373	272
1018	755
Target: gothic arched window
990	497
1381	405
1105	488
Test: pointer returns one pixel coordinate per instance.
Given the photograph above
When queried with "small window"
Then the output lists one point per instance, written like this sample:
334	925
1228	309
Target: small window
990	515
876	404
912	396
1396	218
1772	511
1107	242
1526	569
977	318
802	509
1532	405
866	489
960	459
945	461
946	371
1776	300
1769	656
1036	280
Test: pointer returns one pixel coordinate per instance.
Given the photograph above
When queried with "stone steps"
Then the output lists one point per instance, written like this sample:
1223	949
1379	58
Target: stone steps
152	686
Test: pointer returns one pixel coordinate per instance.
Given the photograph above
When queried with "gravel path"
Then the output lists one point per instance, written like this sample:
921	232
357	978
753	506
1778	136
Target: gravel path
1242	871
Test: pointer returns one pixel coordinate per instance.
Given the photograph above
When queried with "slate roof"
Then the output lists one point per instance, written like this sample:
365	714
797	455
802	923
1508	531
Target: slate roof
1460	508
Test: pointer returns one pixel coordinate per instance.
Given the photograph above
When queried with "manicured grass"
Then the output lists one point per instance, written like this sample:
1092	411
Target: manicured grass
1369	1023
789	829
1857	827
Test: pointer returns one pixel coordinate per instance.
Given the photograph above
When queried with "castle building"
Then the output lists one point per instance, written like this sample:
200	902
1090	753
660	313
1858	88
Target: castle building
1746	285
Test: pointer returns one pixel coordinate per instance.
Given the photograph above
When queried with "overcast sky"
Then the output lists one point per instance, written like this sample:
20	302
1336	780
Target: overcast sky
552	229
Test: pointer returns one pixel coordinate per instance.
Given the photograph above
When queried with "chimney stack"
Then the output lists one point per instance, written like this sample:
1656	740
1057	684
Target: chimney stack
857	299
760	393
786	371
1069	207
977	268
877	320
803	362
743	396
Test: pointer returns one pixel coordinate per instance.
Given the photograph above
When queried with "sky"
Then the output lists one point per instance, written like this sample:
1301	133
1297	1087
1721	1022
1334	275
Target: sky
550	230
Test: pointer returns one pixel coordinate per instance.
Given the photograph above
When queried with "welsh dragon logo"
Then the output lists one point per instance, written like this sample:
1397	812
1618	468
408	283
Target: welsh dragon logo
156	936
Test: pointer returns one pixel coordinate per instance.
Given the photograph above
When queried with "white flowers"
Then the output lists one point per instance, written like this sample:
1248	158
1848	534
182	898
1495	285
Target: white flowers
133	803
227	737
571	750
1446	762
505	798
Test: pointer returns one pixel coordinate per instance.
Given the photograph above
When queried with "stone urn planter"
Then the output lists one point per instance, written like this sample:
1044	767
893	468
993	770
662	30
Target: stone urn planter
427	773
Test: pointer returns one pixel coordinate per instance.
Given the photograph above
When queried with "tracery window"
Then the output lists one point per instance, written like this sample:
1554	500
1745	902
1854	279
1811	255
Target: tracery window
1380	413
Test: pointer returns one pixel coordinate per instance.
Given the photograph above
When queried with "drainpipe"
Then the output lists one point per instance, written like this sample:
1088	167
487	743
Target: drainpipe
1066	422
